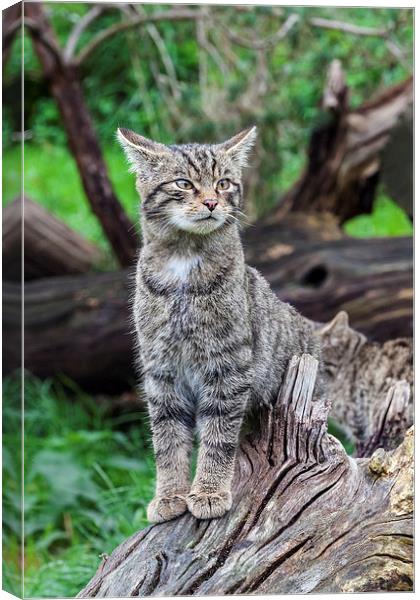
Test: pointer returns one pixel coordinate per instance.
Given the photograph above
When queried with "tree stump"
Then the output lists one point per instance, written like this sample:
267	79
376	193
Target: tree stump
305	517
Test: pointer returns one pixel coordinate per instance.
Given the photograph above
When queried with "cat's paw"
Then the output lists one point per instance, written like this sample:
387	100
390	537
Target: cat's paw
209	506
165	508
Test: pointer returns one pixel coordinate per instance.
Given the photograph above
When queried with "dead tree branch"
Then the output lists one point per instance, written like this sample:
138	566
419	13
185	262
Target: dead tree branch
41	36
170	15
11	23
132	11
203	41
266	43
348	27
76	33
344	155
352	29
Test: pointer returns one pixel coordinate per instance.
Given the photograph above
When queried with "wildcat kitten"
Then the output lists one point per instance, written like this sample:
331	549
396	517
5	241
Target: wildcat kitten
358	374
212	336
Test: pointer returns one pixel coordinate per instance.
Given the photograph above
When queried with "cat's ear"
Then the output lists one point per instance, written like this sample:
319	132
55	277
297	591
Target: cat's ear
337	334
338	325
143	154
239	146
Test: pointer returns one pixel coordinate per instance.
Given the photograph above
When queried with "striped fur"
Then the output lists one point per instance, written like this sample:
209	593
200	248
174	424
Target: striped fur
212	336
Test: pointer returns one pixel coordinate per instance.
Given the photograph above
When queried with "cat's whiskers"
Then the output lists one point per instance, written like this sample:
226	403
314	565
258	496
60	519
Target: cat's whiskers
245	223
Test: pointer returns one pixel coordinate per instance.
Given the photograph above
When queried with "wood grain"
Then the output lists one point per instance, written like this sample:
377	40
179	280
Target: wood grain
305	517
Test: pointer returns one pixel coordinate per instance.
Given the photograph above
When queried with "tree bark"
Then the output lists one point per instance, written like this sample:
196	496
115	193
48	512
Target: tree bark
51	248
65	87
397	160
305	517
371	279
80	325
11	21
74	325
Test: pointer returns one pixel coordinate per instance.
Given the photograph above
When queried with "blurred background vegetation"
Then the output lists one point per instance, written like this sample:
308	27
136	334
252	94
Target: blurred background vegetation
88	470
183	93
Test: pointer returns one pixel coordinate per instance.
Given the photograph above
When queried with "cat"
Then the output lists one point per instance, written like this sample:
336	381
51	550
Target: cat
358	374
212	337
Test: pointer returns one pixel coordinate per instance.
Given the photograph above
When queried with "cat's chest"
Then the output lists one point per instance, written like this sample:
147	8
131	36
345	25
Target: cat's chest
186	312
169	293
178	270
189	298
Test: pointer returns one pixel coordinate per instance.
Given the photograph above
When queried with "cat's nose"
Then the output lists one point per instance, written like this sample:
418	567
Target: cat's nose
211	204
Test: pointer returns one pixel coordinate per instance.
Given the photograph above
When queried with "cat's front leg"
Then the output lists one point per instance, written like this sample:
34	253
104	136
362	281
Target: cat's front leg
172	422
219	419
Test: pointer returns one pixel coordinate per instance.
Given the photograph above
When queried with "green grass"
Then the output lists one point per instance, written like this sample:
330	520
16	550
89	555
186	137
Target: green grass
386	219
88	479
338	432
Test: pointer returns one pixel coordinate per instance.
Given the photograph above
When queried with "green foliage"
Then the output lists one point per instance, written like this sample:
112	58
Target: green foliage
335	430
88	479
386	219
126	82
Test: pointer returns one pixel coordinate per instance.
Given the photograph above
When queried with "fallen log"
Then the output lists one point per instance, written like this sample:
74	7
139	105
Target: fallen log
51	247
370	279
305	517
74	325
380	304
80	325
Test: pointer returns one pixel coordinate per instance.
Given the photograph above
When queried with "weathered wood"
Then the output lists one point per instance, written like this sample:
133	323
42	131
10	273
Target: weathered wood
79	325
345	154
65	87
12	229
51	248
397	160
305	517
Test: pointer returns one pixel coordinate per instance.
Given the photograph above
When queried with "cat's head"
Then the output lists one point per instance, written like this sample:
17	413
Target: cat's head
340	343
192	187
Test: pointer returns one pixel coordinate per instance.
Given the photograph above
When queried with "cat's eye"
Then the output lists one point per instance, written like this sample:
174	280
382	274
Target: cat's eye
223	185
184	184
